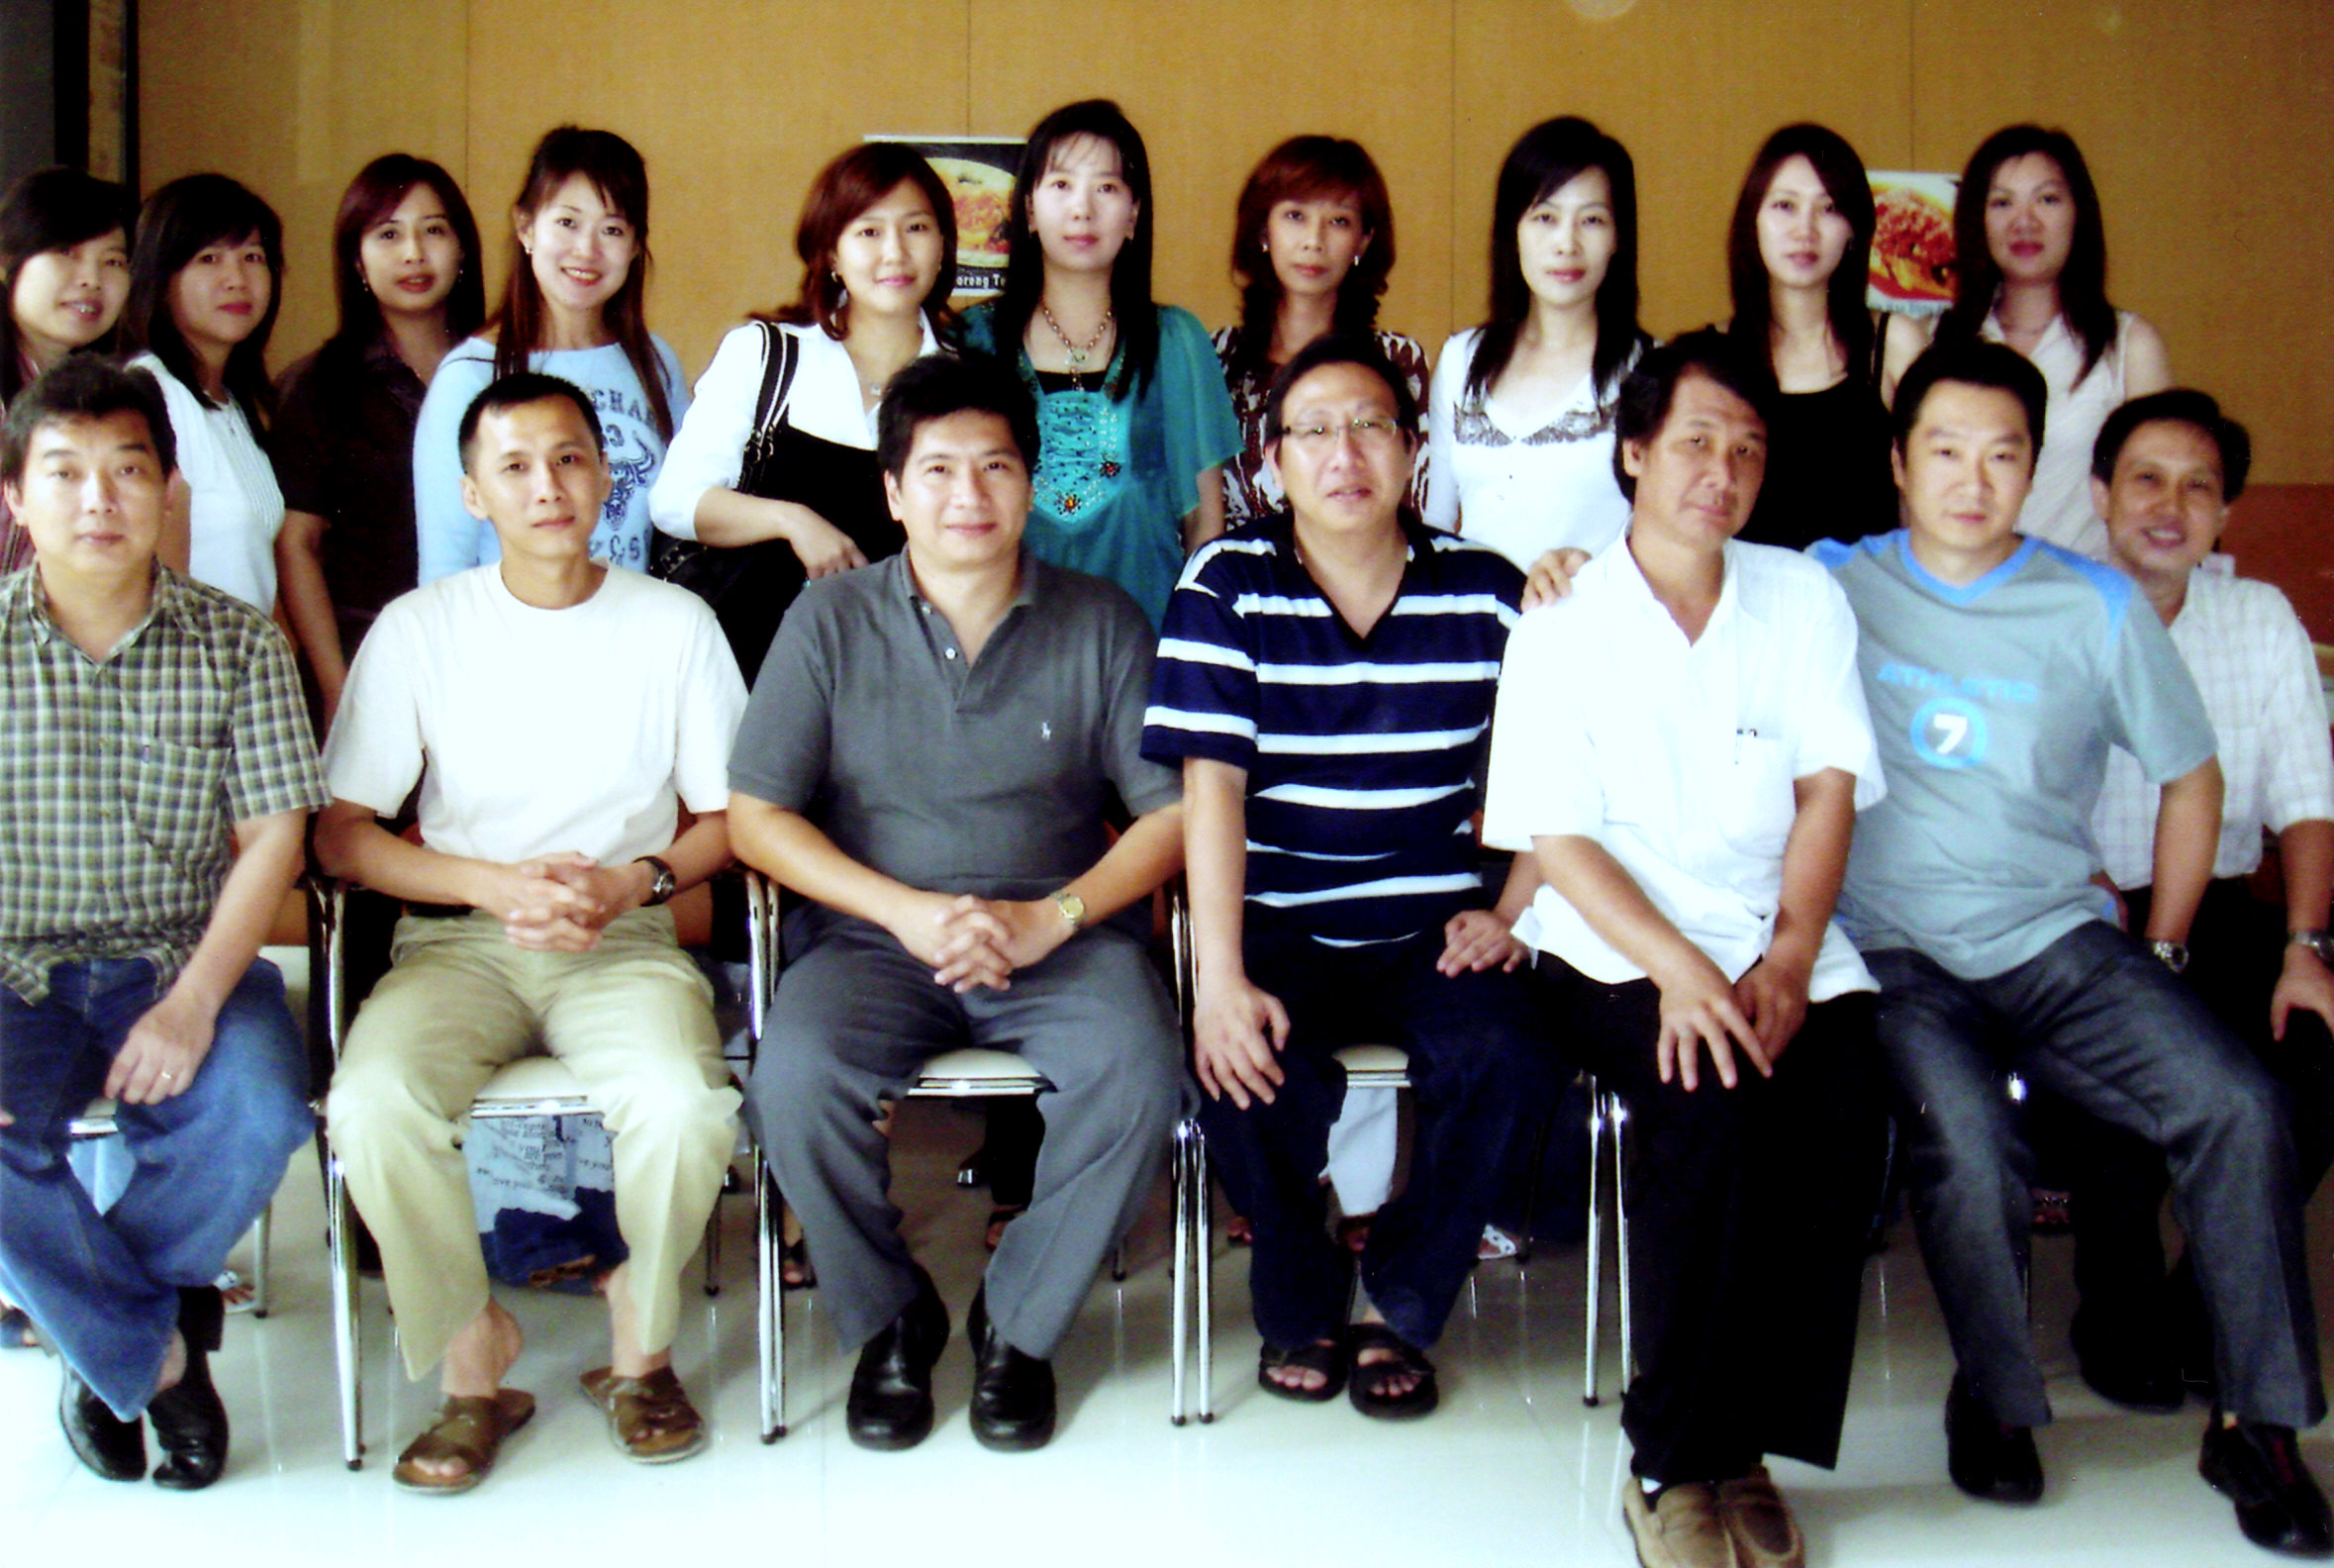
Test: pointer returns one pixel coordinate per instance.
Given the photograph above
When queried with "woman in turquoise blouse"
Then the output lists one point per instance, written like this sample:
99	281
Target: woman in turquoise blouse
1131	406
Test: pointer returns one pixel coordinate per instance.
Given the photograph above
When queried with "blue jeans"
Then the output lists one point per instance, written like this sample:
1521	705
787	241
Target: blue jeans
2094	1019
104	1288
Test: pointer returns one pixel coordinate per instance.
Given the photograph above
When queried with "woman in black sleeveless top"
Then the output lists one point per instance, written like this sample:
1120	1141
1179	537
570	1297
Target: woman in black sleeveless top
1798	253
772	478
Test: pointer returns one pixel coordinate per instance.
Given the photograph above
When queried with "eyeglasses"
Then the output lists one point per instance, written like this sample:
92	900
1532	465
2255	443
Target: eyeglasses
1377	430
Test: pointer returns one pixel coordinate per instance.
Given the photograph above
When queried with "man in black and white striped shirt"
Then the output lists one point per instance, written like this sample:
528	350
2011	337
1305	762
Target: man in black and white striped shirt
1325	679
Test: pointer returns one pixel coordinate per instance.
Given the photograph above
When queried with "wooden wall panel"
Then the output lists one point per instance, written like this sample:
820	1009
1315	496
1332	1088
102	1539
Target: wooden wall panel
2209	131
735	107
1213	85
1690	90
293	97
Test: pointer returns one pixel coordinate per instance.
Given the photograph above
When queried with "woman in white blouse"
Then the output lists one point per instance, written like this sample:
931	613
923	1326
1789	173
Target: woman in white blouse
1520	429
204	280
2033	273
803	491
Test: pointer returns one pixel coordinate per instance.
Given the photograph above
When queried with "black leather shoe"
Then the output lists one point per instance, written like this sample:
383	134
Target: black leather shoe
2259	1468
110	1446
1013	1403
1986	1459
189	1419
891	1402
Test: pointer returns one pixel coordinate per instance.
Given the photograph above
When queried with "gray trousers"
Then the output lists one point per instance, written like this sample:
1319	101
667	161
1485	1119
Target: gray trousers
2096	1021
857	1016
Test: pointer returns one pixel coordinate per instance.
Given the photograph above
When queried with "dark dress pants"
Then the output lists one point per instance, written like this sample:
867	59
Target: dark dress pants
2236	950
1475	1049
1748	1212
2096	1021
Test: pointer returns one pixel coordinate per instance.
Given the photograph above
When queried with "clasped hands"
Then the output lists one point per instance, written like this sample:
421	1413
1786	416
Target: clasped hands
561	903
1757	1014
975	942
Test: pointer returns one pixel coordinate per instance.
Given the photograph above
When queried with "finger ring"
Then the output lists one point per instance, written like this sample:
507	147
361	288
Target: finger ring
168	1076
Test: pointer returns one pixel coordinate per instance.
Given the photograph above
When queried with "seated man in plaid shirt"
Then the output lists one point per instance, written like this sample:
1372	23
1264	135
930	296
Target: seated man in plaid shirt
155	777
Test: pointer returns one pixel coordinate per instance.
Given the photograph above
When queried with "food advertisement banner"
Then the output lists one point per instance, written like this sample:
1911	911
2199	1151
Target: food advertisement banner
1913	243
978	171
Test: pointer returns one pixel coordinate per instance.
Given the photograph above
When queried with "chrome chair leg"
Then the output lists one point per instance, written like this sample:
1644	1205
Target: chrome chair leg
348	1345
1203	1253
770	1310
1179	1271
713	1241
1620	1236
260	1228
1596	1241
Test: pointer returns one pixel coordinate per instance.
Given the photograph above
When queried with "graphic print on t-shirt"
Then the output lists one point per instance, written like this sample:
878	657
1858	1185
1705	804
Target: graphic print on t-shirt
1951	728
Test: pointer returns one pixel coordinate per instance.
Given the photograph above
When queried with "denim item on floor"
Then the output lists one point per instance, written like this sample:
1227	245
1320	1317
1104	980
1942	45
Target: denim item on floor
103	1289
1475	1054
2098	1021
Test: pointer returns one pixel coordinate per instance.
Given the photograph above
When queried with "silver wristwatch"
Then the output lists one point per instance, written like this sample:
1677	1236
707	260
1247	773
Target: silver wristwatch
2320	942
2173	955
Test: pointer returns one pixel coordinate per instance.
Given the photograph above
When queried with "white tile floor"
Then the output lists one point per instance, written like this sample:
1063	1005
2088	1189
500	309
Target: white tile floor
1511	1470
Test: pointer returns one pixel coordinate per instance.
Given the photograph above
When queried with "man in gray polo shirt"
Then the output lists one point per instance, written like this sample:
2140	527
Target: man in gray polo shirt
929	758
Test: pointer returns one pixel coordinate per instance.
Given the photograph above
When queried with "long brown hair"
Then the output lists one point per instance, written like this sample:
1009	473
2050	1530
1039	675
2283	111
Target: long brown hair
2083	281
846	187
376	193
1309	168
52	209
615	169
1844	180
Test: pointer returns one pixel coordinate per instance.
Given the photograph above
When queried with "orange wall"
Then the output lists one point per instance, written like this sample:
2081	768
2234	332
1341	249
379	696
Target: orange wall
2211	129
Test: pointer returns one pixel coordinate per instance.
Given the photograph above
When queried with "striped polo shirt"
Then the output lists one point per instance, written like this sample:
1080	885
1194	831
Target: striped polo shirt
1364	756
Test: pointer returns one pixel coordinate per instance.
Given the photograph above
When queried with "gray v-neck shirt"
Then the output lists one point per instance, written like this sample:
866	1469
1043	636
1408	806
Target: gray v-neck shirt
991	776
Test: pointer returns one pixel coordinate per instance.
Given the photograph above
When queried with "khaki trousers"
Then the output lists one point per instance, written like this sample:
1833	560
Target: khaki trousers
632	1018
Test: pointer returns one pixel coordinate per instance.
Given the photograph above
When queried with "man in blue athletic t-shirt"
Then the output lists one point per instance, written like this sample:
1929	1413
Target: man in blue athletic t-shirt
1998	670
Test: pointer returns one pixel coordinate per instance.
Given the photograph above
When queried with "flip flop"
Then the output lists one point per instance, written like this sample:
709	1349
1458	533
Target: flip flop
1329	1360
1368	1390
471	1428
16	1330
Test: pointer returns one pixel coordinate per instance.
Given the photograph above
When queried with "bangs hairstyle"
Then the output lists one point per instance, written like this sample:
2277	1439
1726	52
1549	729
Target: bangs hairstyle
52	209
1978	362
2082	283
613	168
1542	162
85	387
1359	349
180	221
1130	274
1850	189
845	188
1301	170
1650	389
379	188
2177	406
938	386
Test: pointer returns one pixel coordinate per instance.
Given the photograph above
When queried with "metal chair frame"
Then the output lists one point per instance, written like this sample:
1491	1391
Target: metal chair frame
328	910
969	1073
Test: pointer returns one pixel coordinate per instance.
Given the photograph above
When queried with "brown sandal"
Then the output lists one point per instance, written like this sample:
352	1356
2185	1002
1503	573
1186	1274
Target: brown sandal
471	1428
649	1418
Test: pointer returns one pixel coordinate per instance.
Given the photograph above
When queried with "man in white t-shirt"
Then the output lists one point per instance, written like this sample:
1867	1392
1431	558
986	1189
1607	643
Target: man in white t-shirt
558	716
1683	744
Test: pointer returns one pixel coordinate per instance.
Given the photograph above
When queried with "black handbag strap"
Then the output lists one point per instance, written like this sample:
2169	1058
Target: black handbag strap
780	355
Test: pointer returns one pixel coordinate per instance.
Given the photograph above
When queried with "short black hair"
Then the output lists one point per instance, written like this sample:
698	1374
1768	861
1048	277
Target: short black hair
84	387
938	386
516	390
1342	348
1642	406
1971	361
2186	406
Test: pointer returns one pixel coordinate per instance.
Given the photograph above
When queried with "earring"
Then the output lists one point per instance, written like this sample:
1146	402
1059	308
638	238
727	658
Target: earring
362	281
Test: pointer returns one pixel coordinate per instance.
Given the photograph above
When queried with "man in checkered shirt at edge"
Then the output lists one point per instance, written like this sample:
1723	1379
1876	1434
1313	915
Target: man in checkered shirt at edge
156	773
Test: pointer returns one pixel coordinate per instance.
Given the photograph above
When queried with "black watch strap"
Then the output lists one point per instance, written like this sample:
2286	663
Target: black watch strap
662	884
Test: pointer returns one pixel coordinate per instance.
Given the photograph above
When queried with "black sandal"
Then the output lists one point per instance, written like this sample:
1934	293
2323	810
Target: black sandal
1370	1378
794	1266
1329	1360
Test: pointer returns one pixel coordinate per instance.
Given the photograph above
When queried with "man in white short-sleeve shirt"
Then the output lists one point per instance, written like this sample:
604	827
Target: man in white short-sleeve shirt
558	717
1682	743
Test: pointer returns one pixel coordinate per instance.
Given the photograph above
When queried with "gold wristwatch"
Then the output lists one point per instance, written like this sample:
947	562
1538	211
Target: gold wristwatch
1073	910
